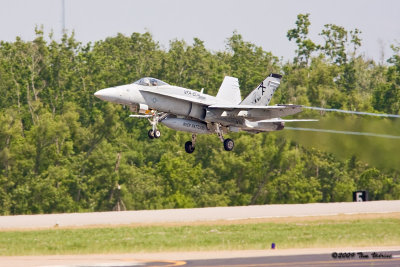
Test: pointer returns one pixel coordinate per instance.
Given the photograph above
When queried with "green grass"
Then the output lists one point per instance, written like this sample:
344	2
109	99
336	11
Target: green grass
324	233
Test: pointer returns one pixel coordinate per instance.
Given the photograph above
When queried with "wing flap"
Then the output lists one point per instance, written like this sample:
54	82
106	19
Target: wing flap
254	113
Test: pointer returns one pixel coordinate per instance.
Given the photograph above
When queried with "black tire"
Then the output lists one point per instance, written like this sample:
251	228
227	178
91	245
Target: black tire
189	148
228	144
157	134
150	133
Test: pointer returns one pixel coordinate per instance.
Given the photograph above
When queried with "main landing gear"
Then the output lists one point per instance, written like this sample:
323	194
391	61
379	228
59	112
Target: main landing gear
190	145
228	143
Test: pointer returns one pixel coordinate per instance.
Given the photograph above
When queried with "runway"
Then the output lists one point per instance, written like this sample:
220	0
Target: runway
196	215
268	257
306	260
301	257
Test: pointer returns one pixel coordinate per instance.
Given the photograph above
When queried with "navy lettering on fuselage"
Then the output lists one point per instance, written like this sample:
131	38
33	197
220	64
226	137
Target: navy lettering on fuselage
192	125
192	93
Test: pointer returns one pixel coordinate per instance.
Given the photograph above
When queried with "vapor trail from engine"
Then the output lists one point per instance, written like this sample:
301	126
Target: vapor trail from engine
353	112
343	132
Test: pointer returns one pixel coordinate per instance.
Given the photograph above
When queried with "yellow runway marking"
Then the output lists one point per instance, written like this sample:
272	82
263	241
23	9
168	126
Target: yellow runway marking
169	263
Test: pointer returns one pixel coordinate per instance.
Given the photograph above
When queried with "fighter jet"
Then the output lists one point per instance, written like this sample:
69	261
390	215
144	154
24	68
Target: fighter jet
195	112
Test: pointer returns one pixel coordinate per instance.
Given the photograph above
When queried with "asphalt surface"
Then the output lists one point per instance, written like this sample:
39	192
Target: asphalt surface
196	215
334	258
350	259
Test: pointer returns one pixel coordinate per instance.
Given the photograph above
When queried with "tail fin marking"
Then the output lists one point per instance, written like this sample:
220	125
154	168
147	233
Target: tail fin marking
262	95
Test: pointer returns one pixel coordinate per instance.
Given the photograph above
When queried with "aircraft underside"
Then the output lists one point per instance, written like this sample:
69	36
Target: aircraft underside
216	126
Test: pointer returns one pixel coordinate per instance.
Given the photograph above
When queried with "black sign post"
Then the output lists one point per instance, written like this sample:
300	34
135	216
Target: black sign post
360	196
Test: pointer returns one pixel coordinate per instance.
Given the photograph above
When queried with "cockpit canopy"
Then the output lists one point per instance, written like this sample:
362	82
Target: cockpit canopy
148	81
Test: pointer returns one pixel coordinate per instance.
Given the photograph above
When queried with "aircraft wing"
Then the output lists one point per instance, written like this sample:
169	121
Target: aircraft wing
248	107
140	116
253	112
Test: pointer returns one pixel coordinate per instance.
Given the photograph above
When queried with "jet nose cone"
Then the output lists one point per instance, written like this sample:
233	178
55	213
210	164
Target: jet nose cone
105	94
97	94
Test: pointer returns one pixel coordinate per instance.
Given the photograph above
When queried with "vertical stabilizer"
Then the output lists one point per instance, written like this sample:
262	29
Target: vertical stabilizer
229	90
262	95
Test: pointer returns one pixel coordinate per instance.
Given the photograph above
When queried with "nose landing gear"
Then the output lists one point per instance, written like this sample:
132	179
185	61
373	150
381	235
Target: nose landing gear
154	132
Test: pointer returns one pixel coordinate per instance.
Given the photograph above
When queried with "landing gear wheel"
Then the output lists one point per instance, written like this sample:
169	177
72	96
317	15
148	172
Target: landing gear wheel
189	147
228	144
150	133
157	134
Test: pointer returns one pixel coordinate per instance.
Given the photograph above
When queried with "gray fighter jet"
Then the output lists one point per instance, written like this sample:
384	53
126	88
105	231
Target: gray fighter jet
191	111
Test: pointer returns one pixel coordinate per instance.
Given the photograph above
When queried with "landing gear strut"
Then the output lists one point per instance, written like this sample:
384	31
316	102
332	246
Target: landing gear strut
154	132
228	143
190	145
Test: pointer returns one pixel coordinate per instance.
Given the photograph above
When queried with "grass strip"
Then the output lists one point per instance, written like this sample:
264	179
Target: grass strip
303	234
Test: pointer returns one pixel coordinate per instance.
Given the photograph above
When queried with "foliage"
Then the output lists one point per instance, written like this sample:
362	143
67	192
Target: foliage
300	34
63	150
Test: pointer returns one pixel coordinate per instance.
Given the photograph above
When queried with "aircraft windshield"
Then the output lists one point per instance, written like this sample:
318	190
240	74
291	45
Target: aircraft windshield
148	81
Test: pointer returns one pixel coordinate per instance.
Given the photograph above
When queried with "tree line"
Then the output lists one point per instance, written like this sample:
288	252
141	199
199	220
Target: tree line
63	150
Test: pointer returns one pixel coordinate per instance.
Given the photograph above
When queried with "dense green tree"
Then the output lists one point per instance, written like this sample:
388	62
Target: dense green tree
387	94
249	63
337	42
305	46
63	150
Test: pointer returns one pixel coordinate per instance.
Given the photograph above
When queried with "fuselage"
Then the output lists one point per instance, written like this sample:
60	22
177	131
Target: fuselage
188	110
189	106
132	94
163	98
